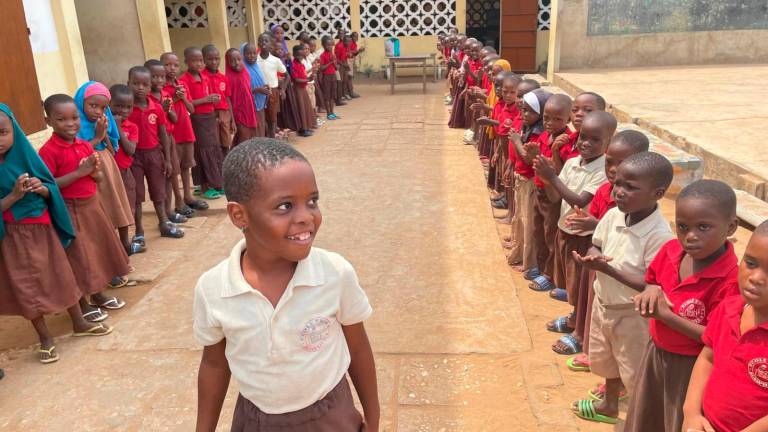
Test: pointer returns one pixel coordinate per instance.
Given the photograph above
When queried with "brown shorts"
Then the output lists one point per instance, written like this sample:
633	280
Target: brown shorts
273	106
150	164
186	155
130	187
335	412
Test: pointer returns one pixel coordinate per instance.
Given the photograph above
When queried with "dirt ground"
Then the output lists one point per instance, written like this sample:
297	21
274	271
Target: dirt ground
459	339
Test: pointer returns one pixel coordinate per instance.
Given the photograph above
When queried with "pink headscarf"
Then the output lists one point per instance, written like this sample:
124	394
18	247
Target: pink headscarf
97	88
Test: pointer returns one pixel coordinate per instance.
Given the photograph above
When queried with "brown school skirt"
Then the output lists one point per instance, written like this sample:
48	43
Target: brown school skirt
545	216
335	412
95	255
244	133
208	155
41	281
111	192
567	270
329	91
129	182
306	119
319	93
457	120
660	386
226	127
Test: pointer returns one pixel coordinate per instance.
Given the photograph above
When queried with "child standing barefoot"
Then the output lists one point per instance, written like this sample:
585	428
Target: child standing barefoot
34	230
284	318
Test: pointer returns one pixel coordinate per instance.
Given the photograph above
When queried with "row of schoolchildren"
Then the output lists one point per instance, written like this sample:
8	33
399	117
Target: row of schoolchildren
671	321
67	210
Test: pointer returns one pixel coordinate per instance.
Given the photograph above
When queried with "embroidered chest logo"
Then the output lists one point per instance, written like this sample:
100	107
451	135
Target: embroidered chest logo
758	371
222	86
693	310
507	122
315	334
152	118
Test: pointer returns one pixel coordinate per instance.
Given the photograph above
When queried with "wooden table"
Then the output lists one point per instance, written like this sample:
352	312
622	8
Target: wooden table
410	61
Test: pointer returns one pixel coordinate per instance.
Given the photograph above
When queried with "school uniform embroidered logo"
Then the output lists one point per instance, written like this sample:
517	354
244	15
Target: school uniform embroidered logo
507	122
693	310
222	86
315	334
758	371
152	118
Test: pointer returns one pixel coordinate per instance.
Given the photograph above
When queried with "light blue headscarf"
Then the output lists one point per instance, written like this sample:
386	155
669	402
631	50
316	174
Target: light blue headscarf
257	80
87	127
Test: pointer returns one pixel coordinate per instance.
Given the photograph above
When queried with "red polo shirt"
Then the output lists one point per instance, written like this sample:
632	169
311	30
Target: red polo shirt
131	131
506	117
198	89
219	84
298	71
566	151
327	58
602	201
694	298
342	53
169	125
148	121
474	66
43	219
182	130
736	394
62	157
521	167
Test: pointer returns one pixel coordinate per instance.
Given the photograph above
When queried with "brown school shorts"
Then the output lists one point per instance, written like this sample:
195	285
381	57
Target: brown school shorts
149	164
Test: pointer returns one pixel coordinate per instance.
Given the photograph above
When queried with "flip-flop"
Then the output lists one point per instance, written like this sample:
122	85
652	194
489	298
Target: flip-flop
50	354
171	230
97	330
177	218
198	205
541	284
577	367
585	409
139	239
113	303
560	325
211	194
572	344
598	396
186	211
118	282
136	248
559	294
531	274
95	316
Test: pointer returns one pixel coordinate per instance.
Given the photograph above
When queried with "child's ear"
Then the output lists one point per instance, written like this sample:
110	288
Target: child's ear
659	193
237	214
48	121
733	226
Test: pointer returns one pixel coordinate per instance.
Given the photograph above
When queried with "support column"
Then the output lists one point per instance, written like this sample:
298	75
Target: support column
255	17
354	15
218	25
461	15
553	56
70	43
154	27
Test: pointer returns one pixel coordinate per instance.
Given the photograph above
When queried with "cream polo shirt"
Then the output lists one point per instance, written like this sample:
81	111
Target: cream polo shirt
288	357
269	69
580	178
632	249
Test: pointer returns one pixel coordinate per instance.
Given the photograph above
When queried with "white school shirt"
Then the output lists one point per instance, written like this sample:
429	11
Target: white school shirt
580	178
632	249
269	68
308	66
288	357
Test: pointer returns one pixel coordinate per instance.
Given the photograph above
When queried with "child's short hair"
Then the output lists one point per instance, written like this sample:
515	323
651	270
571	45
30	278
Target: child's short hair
511	76
762	229
188	51
653	166
605	118
325	39
721	195
138	69
598	99
490	49
209	49
637	140
561	101
120	90
152	63
532	83
298	47
55	99
165	55
244	164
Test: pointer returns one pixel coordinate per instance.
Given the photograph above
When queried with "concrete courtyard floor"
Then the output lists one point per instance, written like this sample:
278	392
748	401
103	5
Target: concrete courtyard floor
459	339
714	112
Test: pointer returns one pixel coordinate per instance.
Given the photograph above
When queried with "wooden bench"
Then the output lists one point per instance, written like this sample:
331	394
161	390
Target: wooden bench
408	62
750	210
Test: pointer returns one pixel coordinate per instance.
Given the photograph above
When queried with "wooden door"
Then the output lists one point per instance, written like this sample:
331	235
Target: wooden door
518	33
18	79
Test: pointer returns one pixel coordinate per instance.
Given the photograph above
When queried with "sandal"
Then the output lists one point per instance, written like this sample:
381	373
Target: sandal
559	294
198	205
47	356
598	393
531	274
186	211
541	283
572	345
97	330
585	409
560	325
136	248
95	316
577	365
168	229
118	282
139	239
177	218
113	303
211	194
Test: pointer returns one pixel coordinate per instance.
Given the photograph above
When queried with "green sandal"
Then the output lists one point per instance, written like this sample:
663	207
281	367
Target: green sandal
211	194
585	409
576	367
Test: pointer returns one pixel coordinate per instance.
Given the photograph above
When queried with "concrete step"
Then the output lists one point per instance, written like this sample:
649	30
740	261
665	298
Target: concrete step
750	210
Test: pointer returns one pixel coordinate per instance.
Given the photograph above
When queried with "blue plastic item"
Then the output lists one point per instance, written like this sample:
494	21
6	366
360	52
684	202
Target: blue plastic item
392	47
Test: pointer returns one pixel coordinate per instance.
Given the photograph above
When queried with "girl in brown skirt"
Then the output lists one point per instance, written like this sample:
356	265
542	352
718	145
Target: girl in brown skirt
34	230
306	118
98	127
96	254
241	97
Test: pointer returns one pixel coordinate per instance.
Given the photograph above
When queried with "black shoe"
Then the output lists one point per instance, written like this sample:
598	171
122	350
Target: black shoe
500	204
2	373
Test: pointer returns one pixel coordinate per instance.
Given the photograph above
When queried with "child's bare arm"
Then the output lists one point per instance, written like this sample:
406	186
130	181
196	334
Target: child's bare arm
362	370
595	260
165	145
18	192
87	167
129	147
693	416
212	382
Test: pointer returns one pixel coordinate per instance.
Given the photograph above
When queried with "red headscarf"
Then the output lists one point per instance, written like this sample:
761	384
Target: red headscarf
243	108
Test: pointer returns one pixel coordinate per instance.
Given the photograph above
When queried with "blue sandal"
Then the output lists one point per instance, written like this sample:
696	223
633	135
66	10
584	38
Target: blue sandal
531	274
541	283
559	294
571	343
559	325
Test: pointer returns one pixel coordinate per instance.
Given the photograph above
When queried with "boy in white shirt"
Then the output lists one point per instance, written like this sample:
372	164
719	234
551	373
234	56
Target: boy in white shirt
270	66
284	318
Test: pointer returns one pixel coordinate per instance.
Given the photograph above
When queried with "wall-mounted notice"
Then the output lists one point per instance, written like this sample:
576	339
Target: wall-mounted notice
41	26
611	17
